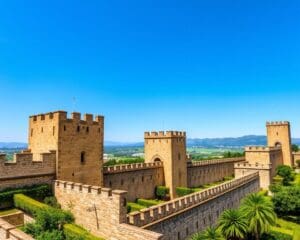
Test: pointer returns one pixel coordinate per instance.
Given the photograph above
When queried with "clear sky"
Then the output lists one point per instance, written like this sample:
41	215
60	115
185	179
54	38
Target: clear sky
211	68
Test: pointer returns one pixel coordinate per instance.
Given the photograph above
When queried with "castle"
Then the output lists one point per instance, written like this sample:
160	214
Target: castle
68	153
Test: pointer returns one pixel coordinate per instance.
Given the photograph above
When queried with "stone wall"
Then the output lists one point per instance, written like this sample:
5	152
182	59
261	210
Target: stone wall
100	210
8	231
24	170
208	171
139	180
16	219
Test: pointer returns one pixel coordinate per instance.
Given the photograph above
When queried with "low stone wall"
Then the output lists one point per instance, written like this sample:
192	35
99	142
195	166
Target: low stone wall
134	177
208	171
9	231
16	219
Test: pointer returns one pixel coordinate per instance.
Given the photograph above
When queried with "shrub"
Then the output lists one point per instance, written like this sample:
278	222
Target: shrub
75	232
51	235
182	191
132	207
161	192
28	204
272	235
147	203
298	163
52	201
286	172
37	192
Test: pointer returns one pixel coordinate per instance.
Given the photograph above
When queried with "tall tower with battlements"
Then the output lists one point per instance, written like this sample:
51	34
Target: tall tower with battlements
279	134
78	144
170	148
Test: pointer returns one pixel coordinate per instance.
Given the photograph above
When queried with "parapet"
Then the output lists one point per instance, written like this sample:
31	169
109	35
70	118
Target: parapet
215	161
277	123
163	134
62	115
257	166
87	189
131	167
261	148
149	216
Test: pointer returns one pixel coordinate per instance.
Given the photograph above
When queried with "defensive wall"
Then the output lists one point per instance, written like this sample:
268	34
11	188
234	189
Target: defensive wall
25	170
208	171
103	211
11	232
139	179
100	210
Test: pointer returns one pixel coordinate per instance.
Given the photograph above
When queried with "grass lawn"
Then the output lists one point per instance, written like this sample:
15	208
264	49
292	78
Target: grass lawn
141	204
9	211
205	186
287	227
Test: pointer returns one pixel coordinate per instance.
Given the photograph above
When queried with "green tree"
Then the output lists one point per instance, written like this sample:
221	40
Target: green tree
286	172
295	148
287	201
210	233
232	224
259	214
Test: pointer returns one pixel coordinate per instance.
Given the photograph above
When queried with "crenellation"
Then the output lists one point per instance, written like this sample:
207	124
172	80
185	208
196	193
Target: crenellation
277	123
263	148
164	134
131	167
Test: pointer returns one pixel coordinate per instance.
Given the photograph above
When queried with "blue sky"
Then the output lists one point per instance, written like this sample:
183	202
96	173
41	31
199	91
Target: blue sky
211	68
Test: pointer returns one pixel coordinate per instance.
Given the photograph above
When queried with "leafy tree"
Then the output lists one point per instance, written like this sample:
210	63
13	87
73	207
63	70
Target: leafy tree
286	172
295	148
287	201
51	235
232	224
259	214
210	233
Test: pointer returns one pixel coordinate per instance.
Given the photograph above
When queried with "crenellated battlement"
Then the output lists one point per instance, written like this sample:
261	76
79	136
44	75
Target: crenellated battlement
164	210
79	188
277	123
261	149
163	134
63	116
252	166
131	167
215	161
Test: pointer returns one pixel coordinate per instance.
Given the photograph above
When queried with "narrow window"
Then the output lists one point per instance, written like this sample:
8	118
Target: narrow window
110	183
178	235
87	129
42	130
53	130
99	130
65	128
82	157
78	128
142	178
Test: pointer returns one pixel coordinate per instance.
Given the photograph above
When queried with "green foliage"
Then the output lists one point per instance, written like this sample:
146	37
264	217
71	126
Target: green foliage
182	191
275	235
148	203
210	233
295	148
286	172
230	154
75	232
28	204
233	224
37	192
52	201
128	160
259	213
161	192
132	207
51	235
298	163
287	201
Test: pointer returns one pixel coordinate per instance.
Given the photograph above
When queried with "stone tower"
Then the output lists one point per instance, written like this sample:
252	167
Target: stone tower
170	148
279	134
78	144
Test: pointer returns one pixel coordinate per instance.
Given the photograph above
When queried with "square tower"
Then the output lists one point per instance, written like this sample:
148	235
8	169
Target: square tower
78	144
170	148
279	134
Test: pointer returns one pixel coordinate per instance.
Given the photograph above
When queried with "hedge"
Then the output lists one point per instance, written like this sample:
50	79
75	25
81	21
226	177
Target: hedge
36	191
132	207
161	192
275	235
28	204
182	191
147	203
73	231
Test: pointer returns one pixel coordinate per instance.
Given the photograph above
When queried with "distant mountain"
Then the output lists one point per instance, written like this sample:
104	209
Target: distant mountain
13	145
229	142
